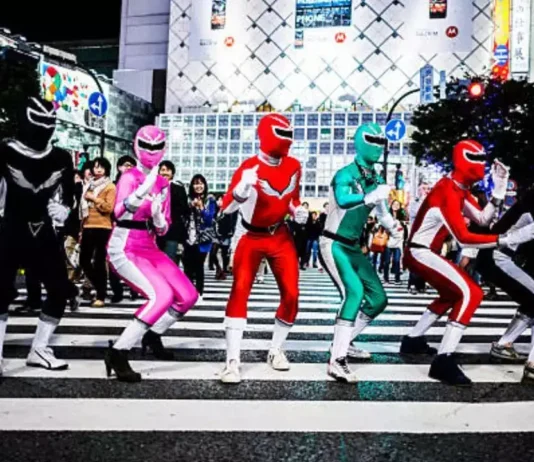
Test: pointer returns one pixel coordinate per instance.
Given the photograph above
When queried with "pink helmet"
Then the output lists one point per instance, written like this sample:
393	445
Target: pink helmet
149	146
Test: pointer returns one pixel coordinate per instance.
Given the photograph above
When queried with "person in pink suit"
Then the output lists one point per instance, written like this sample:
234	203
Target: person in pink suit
142	211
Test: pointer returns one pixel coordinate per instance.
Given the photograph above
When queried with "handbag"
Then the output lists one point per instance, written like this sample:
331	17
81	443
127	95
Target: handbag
379	242
207	235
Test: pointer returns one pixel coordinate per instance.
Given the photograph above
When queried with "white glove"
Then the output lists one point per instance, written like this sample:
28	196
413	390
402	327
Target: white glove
500	174
381	193
136	199
158	217
248	179
58	212
301	215
513	239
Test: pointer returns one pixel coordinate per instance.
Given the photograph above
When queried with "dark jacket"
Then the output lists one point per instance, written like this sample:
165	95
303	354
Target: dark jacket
179	214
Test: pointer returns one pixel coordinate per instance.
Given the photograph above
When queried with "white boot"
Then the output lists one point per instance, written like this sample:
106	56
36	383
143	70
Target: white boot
339	369
234	334
277	360
41	355
230	373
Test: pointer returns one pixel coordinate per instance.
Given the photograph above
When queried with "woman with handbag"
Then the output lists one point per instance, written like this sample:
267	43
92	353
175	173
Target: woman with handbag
201	231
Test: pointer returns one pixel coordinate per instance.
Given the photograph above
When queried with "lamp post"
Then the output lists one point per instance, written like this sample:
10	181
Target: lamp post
390	114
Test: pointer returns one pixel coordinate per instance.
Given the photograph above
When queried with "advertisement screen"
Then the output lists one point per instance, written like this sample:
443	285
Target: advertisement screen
312	14
218	14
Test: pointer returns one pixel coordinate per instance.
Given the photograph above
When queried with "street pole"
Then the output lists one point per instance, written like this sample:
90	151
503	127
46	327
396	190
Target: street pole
390	114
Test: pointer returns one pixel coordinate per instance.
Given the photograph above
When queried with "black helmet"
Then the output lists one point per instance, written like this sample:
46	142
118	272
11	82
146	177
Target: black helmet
37	122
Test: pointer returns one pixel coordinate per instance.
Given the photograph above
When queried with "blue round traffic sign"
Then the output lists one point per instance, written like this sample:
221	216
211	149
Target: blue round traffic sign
501	55
98	104
395	130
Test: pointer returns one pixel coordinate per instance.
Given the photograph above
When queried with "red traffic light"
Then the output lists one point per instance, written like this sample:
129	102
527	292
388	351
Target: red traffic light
475	89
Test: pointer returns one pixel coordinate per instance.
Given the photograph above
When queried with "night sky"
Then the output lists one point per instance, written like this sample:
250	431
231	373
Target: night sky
57	20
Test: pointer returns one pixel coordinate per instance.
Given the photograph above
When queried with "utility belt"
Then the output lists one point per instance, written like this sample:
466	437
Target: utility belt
341	239
262	230
145	225
413	245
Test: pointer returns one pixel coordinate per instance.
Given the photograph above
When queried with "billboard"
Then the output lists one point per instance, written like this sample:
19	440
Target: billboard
438	26
217	29
69	91
312	14
521	10
501	41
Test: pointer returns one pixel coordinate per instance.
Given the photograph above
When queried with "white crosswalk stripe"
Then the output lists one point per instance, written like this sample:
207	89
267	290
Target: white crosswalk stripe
296	401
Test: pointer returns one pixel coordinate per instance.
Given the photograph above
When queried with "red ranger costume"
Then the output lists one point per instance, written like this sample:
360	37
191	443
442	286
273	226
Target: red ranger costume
265	189
442	214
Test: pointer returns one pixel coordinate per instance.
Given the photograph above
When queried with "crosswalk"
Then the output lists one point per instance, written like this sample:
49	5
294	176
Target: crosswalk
294	412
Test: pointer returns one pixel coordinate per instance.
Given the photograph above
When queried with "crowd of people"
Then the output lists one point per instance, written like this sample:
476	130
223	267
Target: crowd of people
149	232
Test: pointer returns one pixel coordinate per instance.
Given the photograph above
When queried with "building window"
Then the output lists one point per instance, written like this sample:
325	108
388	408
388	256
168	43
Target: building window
300	120
339	133
222	161
235	134
311	163
340	119
313	134
235	120
313	120
354	119
367	118
325	148
326	119
381	118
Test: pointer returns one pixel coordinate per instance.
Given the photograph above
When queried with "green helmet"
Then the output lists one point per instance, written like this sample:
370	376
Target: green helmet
369	143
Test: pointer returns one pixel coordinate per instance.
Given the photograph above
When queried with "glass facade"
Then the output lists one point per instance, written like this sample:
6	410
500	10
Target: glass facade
215	144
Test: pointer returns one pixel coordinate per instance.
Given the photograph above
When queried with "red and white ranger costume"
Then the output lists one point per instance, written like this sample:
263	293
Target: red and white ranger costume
265	189
443	214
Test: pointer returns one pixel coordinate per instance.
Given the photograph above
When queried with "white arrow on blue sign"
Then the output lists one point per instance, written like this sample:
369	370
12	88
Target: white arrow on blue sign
395	130
98	104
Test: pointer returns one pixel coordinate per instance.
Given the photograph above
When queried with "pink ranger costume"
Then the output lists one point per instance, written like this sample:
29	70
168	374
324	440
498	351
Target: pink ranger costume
142	211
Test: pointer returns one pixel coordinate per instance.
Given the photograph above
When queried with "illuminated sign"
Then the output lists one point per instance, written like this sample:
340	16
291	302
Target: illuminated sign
501	41
520	59
69	91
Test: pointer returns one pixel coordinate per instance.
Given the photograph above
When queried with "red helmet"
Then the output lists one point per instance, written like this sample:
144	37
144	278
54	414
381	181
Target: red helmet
276	135
469	162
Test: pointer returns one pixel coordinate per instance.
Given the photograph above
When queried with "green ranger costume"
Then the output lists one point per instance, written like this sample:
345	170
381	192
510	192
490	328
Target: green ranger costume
355	191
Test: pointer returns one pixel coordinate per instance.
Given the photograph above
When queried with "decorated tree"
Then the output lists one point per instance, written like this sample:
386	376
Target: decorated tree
18	80
502	119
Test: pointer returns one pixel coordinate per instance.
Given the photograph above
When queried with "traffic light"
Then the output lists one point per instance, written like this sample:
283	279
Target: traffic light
475	90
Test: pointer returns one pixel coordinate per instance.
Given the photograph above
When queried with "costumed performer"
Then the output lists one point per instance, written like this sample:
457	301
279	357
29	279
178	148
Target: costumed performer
265	189
355	190
39	182
442	214
498	267
142	210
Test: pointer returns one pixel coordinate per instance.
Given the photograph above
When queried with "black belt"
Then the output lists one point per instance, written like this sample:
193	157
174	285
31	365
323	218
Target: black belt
258	229
506	251
338	238
413	245
132	224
